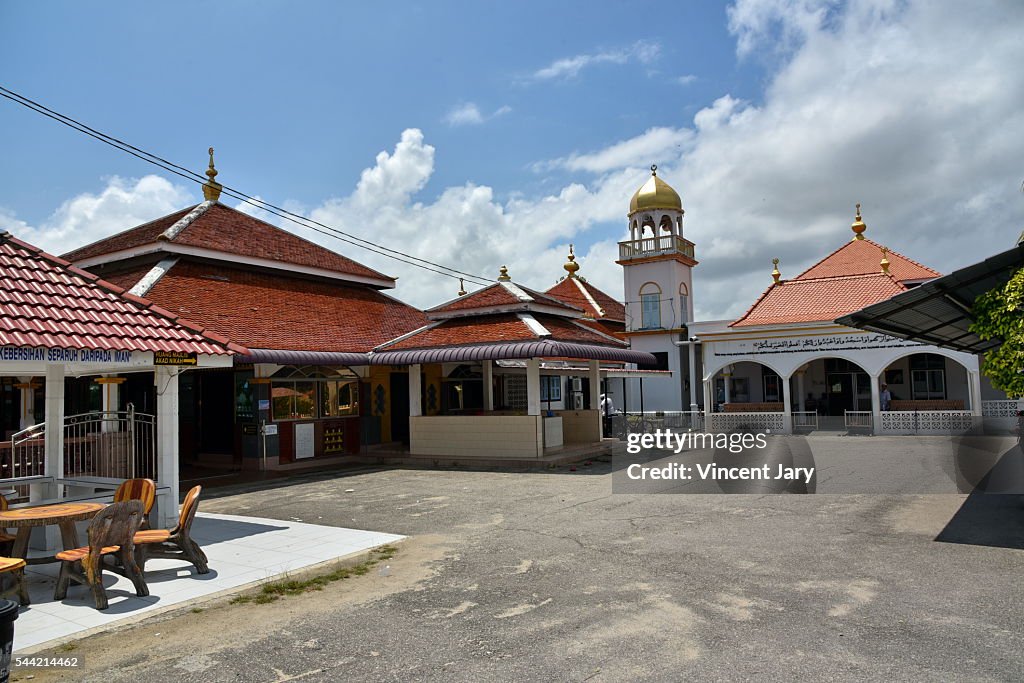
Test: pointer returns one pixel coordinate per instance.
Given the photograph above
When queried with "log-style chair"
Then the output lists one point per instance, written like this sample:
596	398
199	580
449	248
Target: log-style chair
6	538
138	489
15	568
110	531
174	543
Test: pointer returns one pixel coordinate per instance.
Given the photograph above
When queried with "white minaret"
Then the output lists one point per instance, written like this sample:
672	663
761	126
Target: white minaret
657	265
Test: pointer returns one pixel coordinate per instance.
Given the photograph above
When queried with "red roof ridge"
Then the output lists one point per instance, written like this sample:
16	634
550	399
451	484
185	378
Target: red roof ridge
134	228
755	304
145	304
905	258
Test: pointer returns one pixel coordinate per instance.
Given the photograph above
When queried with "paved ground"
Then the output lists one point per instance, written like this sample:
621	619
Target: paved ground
548	576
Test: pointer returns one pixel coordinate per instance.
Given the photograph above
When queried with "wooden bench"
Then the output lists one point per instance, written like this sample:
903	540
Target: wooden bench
931	404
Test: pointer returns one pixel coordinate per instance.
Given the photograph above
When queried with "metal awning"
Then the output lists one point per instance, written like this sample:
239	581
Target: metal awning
939	311
533	349
291	357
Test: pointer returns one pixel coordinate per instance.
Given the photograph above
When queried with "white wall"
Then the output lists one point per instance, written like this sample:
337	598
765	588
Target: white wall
484	436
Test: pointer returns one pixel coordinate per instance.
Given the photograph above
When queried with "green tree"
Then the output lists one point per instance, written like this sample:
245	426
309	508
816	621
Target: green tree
999	315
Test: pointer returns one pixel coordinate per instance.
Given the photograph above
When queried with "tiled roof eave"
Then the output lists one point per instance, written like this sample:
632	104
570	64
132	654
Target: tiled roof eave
545	348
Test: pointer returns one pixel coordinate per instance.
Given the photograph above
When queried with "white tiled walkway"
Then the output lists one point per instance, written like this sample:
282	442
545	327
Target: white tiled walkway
241	550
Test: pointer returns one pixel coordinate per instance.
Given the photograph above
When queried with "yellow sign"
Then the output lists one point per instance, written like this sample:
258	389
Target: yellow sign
175	358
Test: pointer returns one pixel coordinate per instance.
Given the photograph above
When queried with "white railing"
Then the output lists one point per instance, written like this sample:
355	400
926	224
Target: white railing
926	421
119	444
858	419
746	422
27	456
805	419
1004	408
650	246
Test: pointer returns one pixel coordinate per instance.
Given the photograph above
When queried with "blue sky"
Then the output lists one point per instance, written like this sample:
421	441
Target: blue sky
512	129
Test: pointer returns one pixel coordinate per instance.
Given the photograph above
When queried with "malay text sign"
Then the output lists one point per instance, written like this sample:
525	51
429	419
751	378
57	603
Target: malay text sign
175	358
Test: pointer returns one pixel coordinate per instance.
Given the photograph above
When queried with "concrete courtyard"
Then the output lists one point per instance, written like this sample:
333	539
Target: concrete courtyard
549	576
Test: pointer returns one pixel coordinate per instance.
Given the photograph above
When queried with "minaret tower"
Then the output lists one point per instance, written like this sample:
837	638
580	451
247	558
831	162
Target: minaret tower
657	265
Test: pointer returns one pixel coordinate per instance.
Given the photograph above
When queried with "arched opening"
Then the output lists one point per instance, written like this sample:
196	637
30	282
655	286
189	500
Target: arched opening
650	306
926	381
648	222
747	387
666	223
831	386
684	303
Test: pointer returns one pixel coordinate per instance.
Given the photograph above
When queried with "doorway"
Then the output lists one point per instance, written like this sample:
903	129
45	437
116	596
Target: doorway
399	392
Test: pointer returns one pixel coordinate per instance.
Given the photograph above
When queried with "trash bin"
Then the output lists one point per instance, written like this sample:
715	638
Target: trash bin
8	613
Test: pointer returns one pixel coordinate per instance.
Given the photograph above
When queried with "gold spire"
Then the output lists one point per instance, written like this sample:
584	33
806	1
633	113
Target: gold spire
885	260
462	287
775	272
571	266
503	275
211	188
858	226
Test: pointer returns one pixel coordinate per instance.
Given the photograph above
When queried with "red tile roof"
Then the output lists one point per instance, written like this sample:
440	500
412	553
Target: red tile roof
47	302
845	281
221	228
498	295
269	311
568	291
496	329
862	257
822	299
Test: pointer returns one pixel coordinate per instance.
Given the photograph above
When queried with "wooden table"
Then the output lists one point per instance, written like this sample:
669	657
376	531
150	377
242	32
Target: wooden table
63	515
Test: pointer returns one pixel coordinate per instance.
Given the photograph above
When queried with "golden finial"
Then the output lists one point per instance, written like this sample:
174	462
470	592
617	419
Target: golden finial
571	266
858	226
503	275
654	169
775	272
211	188
462	287
885	260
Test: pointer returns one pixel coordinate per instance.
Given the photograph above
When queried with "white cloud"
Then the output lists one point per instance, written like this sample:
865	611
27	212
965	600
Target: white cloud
88	217
469	114
912	108
569	67
686	80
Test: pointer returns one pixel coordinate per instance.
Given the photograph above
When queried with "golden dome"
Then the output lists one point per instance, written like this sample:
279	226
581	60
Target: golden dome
655	194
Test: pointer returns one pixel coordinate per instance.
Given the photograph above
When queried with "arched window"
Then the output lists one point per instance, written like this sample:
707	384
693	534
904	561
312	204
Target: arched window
666	223
684	307
650	306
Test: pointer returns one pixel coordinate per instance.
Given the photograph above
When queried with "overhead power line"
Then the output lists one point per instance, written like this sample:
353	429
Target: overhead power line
187	174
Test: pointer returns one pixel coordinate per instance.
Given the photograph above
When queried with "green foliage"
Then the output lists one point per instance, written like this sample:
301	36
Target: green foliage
999	314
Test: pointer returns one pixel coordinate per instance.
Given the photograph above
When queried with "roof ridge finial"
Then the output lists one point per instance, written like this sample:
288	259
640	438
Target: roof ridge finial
211	188
775	271
571	266
503	275
462	287
858	226
885	260
654	169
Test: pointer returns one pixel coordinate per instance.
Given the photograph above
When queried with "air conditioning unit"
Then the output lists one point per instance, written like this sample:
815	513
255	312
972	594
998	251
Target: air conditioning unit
577	384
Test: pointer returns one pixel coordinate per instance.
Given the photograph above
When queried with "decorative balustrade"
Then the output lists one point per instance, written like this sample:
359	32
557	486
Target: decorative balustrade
1004	408
654	246
746	422
926	421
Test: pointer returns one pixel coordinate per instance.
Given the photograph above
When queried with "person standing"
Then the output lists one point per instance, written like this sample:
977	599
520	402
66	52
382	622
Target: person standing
885	397
607	410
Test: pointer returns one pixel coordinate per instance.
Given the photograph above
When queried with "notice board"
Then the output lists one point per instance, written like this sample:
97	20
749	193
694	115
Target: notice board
305	438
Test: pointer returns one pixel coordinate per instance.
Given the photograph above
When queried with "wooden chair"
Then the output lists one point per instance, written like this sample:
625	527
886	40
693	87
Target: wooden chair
15	567
6	538
174	543
138	489
110	531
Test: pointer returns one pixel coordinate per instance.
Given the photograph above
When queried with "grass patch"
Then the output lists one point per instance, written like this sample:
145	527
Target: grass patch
270	592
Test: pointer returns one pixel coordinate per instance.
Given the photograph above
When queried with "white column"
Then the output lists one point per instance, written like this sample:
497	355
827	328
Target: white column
415	391
166	380
726	375
974	386
693	376
594	379
533	386
787	407
876	405
488	386
55	422
800	399
709	403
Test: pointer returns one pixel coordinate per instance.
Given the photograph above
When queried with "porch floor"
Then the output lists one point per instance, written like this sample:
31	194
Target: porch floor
562	455
243	551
